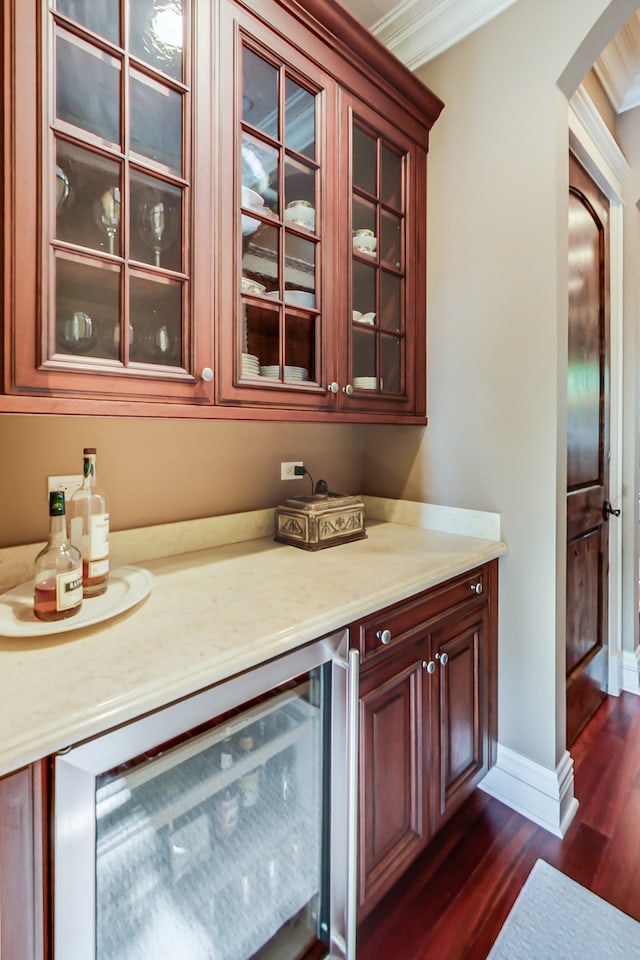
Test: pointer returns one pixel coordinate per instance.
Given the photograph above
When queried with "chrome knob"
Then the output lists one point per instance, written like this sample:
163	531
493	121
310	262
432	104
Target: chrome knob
348	389
443	658
384	636
429	666
206	374
334	387
476	588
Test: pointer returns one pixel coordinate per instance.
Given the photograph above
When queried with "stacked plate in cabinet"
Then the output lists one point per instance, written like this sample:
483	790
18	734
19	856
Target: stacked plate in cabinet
290	373
366	383
250	365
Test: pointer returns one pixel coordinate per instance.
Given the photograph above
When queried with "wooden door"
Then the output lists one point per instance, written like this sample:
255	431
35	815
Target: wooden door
587	450
460	721
394	750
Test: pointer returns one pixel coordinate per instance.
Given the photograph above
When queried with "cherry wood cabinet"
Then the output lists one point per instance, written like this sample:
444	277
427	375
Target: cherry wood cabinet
211	209
428	720
22	870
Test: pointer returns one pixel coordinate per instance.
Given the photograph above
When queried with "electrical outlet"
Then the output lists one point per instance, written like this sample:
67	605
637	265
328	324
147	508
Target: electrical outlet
68	484
288	470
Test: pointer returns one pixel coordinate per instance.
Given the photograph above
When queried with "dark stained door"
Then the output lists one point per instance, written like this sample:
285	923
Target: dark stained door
587	449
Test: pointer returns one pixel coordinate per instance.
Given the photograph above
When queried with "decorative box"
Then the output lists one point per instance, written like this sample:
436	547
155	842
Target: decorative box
319	521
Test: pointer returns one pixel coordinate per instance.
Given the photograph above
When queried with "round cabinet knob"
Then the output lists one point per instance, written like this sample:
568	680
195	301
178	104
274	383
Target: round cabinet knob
476	588
348	389
429	666
443	658
384	636
206	374
333	387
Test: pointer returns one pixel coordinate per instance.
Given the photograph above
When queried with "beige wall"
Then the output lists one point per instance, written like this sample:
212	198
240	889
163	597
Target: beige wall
497	291
156	471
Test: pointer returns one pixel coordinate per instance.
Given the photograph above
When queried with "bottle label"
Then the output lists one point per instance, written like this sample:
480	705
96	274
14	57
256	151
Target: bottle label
98	547
97	568
69	589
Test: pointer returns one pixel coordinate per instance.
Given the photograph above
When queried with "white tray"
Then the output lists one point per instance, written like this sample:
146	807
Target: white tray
127	586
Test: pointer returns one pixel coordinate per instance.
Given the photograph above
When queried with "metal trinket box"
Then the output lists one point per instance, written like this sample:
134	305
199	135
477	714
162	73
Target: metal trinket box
321	520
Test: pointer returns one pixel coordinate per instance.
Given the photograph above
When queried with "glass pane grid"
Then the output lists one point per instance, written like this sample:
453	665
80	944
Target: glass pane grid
378	341
279	186
107	209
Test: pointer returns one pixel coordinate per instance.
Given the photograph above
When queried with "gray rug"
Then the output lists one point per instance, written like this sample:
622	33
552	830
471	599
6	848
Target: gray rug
554	918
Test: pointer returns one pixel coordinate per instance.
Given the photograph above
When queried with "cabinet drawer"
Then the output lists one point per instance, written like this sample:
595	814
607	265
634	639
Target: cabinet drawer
386	628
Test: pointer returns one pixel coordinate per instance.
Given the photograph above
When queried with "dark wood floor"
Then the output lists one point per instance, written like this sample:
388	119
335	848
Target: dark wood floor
452	904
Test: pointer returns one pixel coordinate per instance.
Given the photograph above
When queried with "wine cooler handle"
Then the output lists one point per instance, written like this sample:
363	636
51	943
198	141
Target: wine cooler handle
352	759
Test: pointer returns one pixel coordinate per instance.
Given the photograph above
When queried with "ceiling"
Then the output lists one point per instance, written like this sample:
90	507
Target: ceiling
418	30
618	66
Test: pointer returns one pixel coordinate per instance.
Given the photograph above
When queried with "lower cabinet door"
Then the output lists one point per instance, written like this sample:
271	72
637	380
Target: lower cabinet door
21	866
460	723
394	749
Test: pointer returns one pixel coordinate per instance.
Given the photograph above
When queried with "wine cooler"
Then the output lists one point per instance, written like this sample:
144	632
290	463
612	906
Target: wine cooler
221	827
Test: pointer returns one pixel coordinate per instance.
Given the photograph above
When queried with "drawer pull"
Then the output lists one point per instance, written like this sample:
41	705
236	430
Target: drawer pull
443	658
384	636
429	666
477	588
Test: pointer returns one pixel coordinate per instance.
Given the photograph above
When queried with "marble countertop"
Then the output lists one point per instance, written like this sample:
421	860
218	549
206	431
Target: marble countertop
216	608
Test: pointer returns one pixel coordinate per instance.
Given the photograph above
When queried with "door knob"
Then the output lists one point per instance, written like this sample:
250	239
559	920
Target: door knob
443	658
608	511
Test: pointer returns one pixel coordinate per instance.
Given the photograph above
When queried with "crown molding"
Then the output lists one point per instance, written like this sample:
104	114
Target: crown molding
617	67
588	127
416	31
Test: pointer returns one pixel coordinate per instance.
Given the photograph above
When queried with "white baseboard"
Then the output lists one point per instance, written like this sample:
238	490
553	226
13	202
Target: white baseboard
631	671
542	795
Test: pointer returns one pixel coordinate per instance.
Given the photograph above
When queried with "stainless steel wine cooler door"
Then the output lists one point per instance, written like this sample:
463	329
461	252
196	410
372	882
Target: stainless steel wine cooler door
220	828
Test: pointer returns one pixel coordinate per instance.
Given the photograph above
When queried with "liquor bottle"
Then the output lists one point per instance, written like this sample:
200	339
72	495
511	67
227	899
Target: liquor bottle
89	529
250	782
57	569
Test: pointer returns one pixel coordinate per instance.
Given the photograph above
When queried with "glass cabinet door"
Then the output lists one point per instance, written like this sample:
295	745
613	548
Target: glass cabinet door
378	270
278	108
119	185
280	199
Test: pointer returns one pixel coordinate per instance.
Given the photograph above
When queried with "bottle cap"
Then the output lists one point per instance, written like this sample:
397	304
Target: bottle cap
56	503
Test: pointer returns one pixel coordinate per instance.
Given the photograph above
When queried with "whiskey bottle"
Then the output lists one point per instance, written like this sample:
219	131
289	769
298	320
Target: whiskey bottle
57	569
89	529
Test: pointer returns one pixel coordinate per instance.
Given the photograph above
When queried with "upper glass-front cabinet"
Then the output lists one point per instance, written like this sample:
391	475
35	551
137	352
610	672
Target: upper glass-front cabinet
211	204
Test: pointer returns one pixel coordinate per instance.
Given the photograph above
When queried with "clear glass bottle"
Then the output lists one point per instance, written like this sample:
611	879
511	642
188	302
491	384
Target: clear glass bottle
88	522
57	572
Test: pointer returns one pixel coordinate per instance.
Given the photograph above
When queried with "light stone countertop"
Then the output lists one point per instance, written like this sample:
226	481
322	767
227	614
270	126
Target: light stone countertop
214	611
